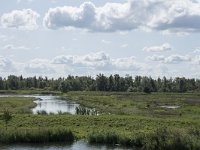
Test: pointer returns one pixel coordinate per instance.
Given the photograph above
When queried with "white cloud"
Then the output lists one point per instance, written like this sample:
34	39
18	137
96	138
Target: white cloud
105	41
20	19
11	47
197	50
161	48
156	58
169	16
19	1
39	66
98	61
6	65
170	59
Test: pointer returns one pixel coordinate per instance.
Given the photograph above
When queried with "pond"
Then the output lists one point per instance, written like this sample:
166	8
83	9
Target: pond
54	104
79	145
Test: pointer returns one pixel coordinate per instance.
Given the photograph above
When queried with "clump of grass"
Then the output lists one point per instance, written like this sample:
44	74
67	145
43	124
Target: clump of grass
85	111
42	112
38	135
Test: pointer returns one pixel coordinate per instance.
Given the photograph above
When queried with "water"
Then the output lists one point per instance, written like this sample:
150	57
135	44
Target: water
51	104
54	104
170	107
80	145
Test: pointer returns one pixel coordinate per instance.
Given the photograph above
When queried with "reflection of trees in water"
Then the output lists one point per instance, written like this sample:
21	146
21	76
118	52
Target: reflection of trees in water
54	104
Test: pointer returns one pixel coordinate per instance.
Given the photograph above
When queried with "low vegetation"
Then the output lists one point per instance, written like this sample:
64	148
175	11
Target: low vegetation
136	120
35	135
17	104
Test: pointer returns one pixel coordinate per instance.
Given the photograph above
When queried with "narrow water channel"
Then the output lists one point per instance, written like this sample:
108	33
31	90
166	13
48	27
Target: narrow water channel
79	145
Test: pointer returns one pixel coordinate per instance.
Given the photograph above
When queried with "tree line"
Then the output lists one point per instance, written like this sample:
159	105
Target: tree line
101	83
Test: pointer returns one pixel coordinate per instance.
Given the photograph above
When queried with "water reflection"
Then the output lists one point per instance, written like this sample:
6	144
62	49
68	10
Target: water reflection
80	145
54	104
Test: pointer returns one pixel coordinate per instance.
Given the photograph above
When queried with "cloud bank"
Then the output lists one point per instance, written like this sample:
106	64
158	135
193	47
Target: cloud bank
170	59
169	16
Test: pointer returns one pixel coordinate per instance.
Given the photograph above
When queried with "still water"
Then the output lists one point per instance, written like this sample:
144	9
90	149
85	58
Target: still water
79	145
54	104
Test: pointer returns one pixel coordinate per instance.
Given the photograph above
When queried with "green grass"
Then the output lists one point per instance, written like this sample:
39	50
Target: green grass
36	135
129	119
140	103
17	104
107	129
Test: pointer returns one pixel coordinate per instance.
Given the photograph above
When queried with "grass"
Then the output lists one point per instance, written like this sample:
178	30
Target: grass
17	104
140	103
132	131
130	119
162	139
39	135
31	91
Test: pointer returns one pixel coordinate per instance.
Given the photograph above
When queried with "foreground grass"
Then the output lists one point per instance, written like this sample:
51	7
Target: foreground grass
106	129
36	135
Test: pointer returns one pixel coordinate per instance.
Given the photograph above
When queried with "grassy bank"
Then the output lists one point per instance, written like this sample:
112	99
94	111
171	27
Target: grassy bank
31	91
17	104
105	129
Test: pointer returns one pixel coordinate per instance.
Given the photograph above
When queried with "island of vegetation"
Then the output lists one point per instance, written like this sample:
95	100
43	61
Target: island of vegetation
139	112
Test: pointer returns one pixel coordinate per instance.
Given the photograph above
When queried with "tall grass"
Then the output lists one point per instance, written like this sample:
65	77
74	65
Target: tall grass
38	135
162	139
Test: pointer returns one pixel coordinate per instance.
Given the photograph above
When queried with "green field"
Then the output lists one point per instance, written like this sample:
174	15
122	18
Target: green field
130	119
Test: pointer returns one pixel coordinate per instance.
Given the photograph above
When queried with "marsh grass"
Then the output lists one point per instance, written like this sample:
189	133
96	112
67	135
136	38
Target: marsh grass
17	104
80	110
38	135
126	103
41	112
161	139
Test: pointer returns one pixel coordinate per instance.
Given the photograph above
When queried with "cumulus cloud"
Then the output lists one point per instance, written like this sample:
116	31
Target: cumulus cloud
20	19
162	15
161	48
98	61
39	66
170	59
6	65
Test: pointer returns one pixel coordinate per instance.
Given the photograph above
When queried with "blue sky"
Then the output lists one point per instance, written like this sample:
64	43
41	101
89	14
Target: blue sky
61	37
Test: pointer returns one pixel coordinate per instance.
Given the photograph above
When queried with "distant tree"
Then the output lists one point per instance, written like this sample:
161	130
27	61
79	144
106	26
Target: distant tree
101	82
147	90
1	84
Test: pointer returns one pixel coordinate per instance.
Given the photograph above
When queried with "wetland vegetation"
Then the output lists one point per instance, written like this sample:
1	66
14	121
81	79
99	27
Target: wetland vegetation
143	120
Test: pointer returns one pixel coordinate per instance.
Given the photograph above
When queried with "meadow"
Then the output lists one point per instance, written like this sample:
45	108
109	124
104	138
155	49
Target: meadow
136	120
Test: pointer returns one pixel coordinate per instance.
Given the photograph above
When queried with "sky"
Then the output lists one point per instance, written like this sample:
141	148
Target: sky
57	38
